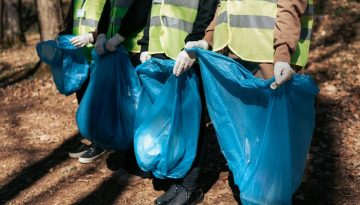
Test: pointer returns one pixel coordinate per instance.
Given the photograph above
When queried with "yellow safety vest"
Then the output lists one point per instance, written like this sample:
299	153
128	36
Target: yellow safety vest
247	28
171	22
119	8
88	21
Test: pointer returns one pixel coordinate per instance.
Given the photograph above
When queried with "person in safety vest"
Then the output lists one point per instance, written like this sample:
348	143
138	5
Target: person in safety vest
171	26
271	38
121	22
82	21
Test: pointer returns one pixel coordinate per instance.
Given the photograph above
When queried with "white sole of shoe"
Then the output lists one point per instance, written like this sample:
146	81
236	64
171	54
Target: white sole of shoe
76	155
89	160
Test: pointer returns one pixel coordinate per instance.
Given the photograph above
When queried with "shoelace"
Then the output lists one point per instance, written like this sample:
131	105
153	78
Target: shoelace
91	150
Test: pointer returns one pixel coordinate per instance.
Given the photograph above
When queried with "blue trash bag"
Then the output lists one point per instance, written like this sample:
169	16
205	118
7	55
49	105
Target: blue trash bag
264	134
168	120
106	114
69	65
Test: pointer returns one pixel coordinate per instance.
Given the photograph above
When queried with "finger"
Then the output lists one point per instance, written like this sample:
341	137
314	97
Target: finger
179	71
78	44
278	73
186	65
189	45
75	42
109	47
74	39
284	75
181	68
274	85
82	45
176	66
143	60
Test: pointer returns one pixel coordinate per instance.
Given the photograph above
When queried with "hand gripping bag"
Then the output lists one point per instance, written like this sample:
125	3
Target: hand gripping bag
69	65
168	120
106	114
264	134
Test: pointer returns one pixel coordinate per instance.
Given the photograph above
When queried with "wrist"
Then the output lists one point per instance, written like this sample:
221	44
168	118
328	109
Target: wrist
282	64
282	54
204	44
118	38
90	37
101	36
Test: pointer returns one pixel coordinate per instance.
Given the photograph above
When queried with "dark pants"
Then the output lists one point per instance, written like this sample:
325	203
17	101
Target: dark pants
192	179
80	93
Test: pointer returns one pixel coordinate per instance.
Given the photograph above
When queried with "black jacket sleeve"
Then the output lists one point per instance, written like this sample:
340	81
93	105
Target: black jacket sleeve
69	21
144	42
206	13
135	18
104	21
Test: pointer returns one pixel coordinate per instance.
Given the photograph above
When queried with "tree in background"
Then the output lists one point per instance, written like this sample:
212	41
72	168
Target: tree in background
11	25
50	18
1	15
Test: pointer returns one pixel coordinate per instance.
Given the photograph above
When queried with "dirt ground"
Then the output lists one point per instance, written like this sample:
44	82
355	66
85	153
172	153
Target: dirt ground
37	129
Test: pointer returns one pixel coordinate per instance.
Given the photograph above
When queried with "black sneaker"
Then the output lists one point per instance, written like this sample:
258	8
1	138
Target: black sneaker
187	197
169	195
79	151
91	154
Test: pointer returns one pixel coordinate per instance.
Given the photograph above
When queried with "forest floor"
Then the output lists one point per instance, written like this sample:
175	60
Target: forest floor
37	130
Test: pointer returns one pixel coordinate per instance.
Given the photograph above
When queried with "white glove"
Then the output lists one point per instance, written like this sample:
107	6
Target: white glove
113	42
197	44
283	72
144	56
183	62
82	40
100	44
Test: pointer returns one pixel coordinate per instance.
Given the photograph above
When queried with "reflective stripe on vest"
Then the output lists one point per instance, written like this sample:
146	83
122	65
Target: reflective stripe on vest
247	28
171	22
89	22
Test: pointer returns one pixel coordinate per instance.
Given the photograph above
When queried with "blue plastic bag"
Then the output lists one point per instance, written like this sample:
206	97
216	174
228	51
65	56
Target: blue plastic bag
69	65
264	134
168	120
106	114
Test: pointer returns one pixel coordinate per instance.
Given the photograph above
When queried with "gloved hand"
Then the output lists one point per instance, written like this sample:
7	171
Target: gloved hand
82	40
114	41
100	44
183	62
283	72
197	44
144	56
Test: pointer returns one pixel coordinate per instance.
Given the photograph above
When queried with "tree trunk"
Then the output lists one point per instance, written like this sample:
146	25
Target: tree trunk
50	18
12	33
1	17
